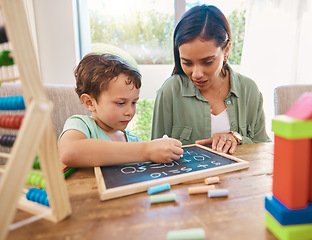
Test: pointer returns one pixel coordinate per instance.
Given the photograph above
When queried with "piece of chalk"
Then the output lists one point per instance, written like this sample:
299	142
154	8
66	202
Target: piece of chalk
159	188
218	193
162	198
166	136
200	189
190	234
212	180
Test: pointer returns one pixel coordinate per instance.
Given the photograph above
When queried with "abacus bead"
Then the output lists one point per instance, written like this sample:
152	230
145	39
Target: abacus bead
12	122
46	202
31	178
36	163
41	197
42	183
38	195
13	138
7	140
37	180
17	103
27	179
30	194
17	122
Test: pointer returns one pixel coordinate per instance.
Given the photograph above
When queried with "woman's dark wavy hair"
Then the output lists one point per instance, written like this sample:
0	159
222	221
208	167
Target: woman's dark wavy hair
95	71
206	22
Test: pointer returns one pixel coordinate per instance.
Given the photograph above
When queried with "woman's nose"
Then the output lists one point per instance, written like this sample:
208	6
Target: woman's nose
197	72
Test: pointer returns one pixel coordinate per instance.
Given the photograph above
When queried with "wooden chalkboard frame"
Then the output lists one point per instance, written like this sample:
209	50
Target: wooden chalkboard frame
115	192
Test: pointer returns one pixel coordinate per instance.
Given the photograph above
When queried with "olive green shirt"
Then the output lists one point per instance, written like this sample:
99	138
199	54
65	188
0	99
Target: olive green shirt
181	112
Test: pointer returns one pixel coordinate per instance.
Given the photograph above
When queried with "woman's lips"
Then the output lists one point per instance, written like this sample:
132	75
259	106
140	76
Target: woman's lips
199	83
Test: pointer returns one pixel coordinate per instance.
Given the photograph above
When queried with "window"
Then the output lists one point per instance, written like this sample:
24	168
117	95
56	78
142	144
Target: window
142	28
234	11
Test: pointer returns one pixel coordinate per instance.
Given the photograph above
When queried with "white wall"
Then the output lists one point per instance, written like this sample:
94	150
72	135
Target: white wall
57	40
153	76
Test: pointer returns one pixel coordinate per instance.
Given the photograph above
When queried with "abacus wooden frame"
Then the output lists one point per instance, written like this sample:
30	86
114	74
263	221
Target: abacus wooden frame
36	134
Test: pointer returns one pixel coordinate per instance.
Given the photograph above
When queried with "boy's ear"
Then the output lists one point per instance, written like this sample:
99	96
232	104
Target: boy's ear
88	102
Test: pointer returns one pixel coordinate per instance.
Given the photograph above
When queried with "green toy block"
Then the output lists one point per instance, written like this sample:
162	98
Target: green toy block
292	128
288	232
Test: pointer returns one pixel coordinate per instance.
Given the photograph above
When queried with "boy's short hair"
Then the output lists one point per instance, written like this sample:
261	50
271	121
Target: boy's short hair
95	71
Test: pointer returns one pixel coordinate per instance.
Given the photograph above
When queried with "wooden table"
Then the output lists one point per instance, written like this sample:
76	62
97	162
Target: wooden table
240	216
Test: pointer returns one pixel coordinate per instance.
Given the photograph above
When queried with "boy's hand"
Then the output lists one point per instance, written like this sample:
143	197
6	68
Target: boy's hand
164	150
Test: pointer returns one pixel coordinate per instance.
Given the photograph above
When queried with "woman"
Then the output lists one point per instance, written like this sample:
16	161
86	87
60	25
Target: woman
204	98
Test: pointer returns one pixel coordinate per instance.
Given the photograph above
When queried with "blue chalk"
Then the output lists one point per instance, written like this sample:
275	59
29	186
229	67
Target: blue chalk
286	216
158	188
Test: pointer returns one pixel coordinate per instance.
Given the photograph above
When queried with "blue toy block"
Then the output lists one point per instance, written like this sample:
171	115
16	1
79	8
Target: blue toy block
286	216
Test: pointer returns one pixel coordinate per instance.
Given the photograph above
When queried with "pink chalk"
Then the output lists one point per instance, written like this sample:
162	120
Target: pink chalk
302	108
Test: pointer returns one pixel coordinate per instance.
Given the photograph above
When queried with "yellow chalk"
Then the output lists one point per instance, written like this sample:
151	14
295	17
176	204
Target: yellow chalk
212	180
200	189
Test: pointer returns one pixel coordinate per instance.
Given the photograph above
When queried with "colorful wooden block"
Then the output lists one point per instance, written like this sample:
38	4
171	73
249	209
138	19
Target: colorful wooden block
302	109
292	128
291	171
310	190
286	216
289	232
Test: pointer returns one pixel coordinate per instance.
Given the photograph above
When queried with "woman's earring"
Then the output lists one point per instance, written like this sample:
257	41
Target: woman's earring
223	71
225	60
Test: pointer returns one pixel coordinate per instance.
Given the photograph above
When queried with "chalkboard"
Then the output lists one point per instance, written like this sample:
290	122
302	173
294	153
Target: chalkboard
197	162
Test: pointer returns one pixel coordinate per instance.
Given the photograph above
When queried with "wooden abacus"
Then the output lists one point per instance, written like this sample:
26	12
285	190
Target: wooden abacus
35	135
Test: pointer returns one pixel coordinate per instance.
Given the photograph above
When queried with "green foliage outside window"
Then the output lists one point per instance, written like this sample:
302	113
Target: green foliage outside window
237	22
147	36
141	124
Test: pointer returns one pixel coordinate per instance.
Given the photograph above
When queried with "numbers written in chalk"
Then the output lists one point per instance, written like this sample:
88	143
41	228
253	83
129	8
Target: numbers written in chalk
175	167
194	159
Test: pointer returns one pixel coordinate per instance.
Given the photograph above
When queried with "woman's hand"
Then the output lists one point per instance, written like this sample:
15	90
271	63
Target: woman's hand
221	142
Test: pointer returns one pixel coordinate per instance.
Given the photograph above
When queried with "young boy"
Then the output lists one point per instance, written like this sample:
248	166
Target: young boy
109	88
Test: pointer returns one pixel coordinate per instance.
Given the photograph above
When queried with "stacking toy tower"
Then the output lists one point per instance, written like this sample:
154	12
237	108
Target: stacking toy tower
289	209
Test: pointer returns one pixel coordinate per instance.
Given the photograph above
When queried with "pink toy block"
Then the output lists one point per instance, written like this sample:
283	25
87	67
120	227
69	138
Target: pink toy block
302	108
291	171
310	192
